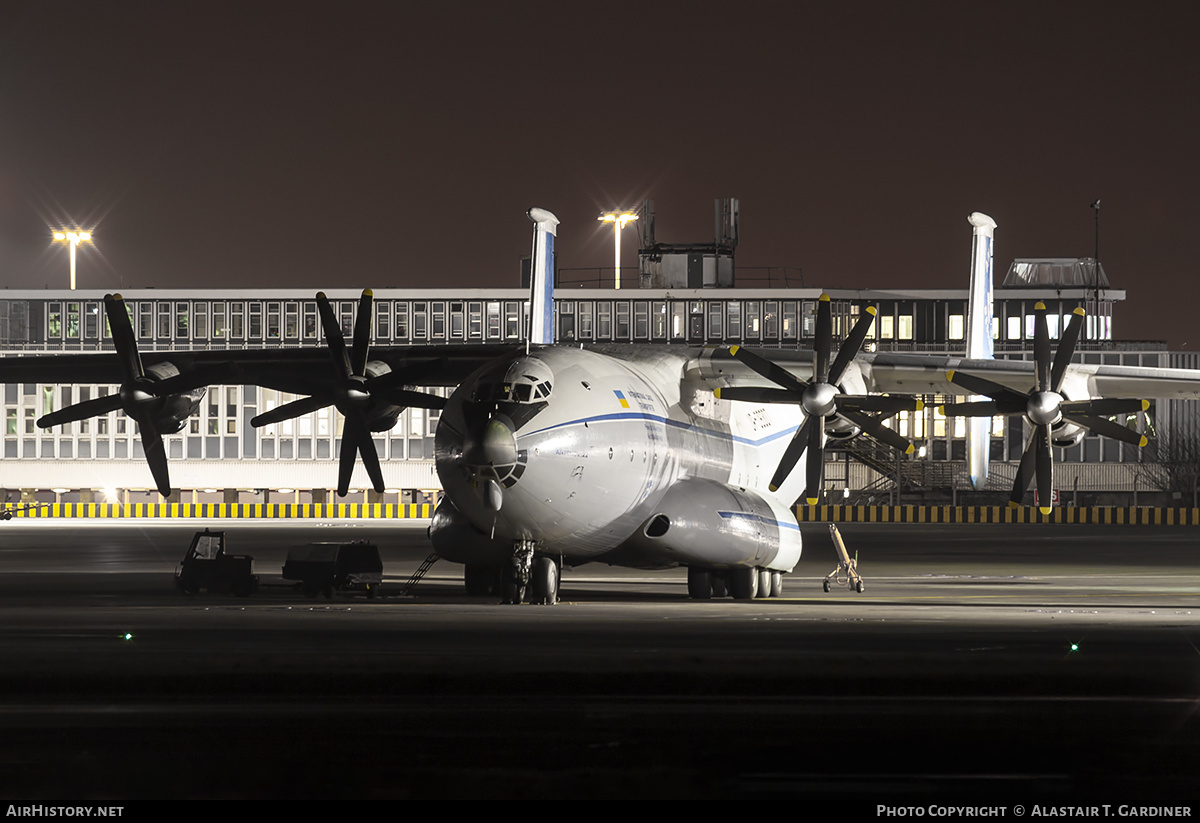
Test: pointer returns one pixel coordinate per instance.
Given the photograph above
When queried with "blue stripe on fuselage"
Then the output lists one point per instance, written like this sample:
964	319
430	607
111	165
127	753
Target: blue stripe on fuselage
758	518
666	421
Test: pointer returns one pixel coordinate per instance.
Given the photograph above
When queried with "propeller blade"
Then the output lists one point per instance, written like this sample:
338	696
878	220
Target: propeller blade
333	336
81	411
123	339
1107	428
357	440
362	334
824	340
1025	471
156	454
1045	469
1104	407
880	432
1066	349
981	385
985	408
291	410
815	462
773	372
791	454
759	394
888	404
1041	346
852	344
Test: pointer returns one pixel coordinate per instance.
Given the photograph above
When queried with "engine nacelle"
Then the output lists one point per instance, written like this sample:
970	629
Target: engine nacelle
454	538
1067	434
175	409
706	523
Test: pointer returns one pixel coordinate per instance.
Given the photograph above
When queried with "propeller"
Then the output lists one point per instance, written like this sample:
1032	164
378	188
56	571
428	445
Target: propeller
821	398
141	397
355	394
1044	406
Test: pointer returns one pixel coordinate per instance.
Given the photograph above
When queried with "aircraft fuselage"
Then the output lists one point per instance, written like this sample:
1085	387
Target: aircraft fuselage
615	454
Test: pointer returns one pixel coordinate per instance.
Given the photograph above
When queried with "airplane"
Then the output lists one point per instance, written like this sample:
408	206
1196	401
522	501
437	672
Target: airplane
553	455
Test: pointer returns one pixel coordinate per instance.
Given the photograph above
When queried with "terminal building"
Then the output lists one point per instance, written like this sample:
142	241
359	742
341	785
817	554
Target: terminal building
219	457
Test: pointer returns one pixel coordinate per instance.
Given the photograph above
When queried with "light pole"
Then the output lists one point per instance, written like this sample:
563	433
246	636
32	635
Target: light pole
74	238
618	218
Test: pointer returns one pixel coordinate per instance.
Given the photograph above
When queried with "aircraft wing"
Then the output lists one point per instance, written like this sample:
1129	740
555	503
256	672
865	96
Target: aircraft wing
299	370
927	374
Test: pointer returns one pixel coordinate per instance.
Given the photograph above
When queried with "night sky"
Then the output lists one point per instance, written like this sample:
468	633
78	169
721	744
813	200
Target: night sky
399	144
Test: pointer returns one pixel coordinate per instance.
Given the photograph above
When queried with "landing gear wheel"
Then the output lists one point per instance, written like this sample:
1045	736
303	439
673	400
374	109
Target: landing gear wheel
544	581
481	580
776	584
743	583
858	587
701	583
719	588
825	585
764	583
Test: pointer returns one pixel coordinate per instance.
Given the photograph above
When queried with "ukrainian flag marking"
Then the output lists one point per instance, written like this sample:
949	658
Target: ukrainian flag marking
621	399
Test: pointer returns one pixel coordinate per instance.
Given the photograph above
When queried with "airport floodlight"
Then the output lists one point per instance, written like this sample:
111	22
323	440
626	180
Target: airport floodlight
618	217
73	239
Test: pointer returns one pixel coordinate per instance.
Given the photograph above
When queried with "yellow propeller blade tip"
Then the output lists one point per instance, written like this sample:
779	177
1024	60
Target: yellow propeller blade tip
368	293
941	410
1045	509
920	406
717	393
824	298
118	297
911	448
1039	306
950	375
812	501
1145	405
871	310
1079	310
733	349
321	296
1012	504
772	487
1143	442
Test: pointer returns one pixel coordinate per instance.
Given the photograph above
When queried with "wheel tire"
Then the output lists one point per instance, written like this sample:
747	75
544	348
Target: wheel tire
701	583
544	581
825	585
481	580
859	587
776	584
764	583
720	588
743	583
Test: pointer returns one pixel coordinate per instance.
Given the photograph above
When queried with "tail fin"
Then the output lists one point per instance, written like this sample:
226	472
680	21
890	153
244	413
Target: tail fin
979	339
541	280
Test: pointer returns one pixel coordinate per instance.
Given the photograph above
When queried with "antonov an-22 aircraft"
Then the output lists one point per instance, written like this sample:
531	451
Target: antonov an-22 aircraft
641	456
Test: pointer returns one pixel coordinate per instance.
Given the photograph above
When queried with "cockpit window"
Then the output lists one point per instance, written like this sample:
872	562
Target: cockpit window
519	391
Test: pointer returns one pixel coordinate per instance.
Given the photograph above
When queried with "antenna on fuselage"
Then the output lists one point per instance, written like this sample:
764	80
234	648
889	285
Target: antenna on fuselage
541	278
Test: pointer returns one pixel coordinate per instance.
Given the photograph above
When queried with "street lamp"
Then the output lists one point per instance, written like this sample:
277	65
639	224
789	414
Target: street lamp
74	238
618	218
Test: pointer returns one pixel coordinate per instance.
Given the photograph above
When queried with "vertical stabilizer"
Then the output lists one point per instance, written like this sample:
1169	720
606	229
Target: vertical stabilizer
979	339
541	280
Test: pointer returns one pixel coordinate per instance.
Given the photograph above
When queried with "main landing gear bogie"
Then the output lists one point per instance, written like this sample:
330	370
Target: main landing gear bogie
524	577
740	583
